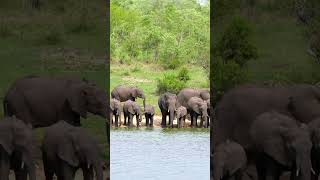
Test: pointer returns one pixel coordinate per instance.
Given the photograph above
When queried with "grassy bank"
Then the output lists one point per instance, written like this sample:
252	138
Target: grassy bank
145	77
56	40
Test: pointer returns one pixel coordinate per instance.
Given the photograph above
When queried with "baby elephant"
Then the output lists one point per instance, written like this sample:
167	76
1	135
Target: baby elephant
131	109
66	148
229	161
149	113
115	110
181	116
16	149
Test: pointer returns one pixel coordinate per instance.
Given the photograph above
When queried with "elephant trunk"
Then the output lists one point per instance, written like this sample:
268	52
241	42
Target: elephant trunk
119	114
171	116
144	102
303	168
99	171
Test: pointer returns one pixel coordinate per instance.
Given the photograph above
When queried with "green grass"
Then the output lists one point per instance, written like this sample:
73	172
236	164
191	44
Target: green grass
282	47
145	77
31	47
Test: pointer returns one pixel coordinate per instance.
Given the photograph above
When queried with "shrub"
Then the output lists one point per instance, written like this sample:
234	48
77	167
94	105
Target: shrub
171	64
183	74
169	83
235	44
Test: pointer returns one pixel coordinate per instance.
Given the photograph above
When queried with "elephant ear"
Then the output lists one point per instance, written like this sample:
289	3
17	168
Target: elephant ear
67	150
134	92
195	107
130	109
274	146
6	140
77	100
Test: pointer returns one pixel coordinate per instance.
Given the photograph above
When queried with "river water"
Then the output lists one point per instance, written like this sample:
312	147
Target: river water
160	154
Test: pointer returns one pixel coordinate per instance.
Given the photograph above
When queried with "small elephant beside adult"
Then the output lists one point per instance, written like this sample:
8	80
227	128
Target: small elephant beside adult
149	114
181	116
124	93
43	101
16	150
66	148
131	109
280	144
185	94
167	103
198	107
115	110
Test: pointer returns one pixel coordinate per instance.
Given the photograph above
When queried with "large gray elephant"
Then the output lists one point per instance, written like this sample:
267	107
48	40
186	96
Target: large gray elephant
229	161
185	94
124	93
239	107
115	110
167	103
148	114
66	148
131	109
198	107
42	101
280	144
16	150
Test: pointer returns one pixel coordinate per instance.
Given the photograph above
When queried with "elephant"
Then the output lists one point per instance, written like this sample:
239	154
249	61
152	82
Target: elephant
198	107
181	116
149	113
43	101
229	161
314	129
209	112
167	103
281	144
115	110
67	148
124	93
131	109
185	94
16	149
239	107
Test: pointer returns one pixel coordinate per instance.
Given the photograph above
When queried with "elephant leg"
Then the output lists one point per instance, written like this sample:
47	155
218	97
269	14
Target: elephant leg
66	172
21	174
196	120
116	120
164	117
48	170
4	164
130	120
87	173
147	120
137	119
151	121
125	119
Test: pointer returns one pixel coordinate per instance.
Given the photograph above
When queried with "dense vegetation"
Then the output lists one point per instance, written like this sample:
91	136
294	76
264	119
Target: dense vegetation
169	32
56	38
281	37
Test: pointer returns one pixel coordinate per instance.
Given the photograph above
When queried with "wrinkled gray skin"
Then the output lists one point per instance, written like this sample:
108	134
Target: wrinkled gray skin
115	110
42	101
167	103
124	93
149	113
314	129
16	149
185	94
198	107
281	145
131	109
239	107
181	116
66	148
229	161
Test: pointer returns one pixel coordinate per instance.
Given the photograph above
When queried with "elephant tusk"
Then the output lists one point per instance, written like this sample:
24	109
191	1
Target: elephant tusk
297	172
22	165
313	171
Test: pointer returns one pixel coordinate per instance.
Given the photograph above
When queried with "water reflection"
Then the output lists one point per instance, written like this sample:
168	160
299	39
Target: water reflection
151	154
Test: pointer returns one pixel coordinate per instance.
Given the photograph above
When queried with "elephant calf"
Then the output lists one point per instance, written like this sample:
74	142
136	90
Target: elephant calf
229	161
16	149
66	148
130	109
198	107
149	113
115	110
181	116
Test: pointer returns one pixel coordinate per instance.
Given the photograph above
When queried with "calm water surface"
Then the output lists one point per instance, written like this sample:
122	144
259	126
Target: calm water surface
166	154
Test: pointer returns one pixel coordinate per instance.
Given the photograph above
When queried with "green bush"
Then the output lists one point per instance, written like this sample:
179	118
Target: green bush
170	83
183	74
235	44
171	64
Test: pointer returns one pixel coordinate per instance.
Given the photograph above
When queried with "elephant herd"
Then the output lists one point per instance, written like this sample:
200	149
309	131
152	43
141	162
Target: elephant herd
272	130
189	101
56	104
